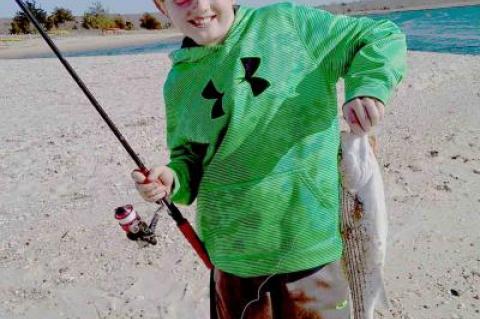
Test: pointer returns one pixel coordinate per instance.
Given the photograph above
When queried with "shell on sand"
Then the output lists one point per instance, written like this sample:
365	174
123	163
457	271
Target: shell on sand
364	224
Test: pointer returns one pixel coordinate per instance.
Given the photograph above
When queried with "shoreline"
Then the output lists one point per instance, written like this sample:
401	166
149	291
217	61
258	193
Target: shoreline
34	47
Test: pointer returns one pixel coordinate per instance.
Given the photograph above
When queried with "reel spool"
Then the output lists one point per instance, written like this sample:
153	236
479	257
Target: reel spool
136	228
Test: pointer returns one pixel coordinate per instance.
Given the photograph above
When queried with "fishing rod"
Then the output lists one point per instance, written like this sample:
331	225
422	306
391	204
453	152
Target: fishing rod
129	220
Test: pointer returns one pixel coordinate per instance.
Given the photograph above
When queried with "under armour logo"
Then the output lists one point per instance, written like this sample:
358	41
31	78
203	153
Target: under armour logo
258	84
211	93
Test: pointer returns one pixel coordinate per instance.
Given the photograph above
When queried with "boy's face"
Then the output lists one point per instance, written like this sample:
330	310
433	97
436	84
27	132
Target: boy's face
204	21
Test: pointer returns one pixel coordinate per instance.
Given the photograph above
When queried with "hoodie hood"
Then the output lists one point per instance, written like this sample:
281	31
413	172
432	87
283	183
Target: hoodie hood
192	52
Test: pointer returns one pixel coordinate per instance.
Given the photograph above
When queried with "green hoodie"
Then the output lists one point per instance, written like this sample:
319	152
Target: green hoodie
253	131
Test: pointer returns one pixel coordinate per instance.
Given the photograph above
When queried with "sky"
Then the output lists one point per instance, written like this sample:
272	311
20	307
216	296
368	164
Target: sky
8	8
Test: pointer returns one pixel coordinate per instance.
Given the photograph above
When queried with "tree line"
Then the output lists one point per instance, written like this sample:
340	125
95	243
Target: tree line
96	17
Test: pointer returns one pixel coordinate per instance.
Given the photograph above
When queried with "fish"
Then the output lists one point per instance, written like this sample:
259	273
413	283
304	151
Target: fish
364	224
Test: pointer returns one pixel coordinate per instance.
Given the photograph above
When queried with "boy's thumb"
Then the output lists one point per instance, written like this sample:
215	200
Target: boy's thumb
138	177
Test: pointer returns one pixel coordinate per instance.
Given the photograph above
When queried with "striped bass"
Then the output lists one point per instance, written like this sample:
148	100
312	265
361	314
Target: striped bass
364	225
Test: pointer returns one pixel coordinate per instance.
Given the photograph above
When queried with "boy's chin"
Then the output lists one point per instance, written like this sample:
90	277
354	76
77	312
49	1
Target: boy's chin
205	40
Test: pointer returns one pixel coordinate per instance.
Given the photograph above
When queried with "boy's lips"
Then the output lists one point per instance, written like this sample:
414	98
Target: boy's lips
202	22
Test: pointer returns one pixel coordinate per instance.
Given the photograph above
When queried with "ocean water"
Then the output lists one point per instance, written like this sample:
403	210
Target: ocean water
448	30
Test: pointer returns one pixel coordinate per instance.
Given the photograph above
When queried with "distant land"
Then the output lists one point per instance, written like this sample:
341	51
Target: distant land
384	6
134	18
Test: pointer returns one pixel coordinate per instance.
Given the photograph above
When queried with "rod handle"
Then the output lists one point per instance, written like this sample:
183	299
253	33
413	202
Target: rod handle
193	239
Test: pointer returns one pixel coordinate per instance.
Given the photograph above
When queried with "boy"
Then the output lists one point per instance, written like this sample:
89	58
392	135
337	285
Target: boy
253	134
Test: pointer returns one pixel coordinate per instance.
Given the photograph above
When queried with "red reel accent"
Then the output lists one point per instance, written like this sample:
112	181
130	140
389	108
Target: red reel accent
122	212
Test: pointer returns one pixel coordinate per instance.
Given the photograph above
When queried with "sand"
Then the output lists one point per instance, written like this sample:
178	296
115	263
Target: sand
62	255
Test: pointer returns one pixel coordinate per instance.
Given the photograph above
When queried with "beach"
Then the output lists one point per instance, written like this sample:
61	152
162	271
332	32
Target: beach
62	254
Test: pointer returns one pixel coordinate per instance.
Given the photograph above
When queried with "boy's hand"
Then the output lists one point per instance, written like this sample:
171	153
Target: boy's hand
160	183
363	113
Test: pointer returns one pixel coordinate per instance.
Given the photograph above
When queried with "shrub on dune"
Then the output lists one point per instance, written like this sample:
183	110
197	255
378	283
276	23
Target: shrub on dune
149	22
60	16
129	25
120	22
15	28
21	23
97	22
96	17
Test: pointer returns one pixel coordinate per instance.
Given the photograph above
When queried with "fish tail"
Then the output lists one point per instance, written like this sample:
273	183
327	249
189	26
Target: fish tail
383	294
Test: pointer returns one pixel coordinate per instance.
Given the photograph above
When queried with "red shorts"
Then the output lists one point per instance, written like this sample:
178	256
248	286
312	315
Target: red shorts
319	293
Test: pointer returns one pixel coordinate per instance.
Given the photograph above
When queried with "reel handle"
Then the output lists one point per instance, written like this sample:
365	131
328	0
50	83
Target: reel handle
183	224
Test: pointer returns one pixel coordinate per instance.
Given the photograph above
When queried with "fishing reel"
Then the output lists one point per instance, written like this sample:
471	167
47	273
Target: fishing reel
135	227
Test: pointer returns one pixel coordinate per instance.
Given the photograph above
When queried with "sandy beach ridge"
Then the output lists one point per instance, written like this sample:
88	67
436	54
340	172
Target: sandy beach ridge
34	46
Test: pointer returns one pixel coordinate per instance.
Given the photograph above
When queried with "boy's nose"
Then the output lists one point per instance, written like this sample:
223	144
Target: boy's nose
202	5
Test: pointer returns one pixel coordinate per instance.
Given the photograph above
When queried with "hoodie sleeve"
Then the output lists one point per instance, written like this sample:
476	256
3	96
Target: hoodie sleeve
370	55
186	157
186	163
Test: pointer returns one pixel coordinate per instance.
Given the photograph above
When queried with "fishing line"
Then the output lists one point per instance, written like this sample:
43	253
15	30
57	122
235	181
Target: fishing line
284	257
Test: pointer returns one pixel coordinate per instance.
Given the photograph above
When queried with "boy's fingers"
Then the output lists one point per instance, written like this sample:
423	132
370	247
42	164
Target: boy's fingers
164	189
153	192
372	111
381	109
158	186
348	113
156	190
157	197
156	174
351	118
144	188
356	129
359	110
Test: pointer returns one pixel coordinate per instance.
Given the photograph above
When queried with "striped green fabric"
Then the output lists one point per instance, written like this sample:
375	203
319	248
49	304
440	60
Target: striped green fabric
253	131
